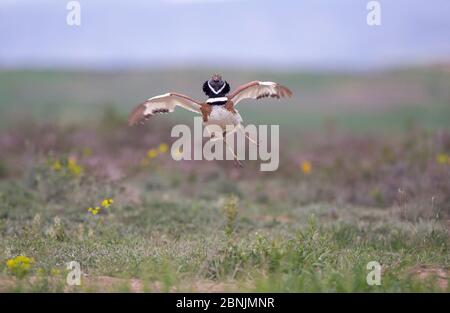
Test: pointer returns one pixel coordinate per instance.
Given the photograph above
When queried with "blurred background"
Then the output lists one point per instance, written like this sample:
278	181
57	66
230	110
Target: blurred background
357	88
325	51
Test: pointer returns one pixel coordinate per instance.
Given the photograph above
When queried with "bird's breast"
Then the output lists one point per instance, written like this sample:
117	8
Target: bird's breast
221	116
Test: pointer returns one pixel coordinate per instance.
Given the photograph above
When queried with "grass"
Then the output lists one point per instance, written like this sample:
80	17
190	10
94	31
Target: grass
375	190
164	240
172	253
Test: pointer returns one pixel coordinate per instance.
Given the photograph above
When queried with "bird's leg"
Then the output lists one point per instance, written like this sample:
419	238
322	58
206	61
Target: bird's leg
241	128
230	106
236	161
206	109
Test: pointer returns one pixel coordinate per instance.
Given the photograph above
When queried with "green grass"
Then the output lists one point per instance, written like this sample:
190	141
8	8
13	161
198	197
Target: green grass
169	242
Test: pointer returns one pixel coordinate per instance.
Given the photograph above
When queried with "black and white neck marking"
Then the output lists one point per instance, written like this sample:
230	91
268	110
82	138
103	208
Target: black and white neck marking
218	91
217	101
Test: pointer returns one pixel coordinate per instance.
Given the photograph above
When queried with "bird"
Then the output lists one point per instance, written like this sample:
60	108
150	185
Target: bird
219	107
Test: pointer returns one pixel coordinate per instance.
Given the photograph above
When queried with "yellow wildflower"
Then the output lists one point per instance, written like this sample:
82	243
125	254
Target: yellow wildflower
20	265
163	148
94	211
55	272
56	165
152	153
107	203
306	167
73	166
442	158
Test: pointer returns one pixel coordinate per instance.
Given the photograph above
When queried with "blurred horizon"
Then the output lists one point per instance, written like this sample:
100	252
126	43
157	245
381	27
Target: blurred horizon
282	35
342	71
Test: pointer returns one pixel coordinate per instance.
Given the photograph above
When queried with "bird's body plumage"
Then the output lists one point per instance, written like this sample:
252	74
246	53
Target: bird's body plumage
222	117
218	109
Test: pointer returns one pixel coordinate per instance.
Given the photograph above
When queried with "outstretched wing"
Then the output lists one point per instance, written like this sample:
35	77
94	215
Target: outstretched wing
257	90
165	103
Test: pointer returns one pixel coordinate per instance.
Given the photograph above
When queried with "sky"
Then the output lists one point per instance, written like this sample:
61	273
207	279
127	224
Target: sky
316	34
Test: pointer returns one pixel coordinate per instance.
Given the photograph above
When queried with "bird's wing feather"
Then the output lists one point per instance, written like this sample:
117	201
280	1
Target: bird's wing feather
257	90
165	103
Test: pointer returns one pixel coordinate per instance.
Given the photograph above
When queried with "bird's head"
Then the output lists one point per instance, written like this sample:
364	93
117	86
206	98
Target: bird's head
216	86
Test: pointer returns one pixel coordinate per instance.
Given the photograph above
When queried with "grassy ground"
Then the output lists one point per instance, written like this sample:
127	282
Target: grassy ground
339	200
